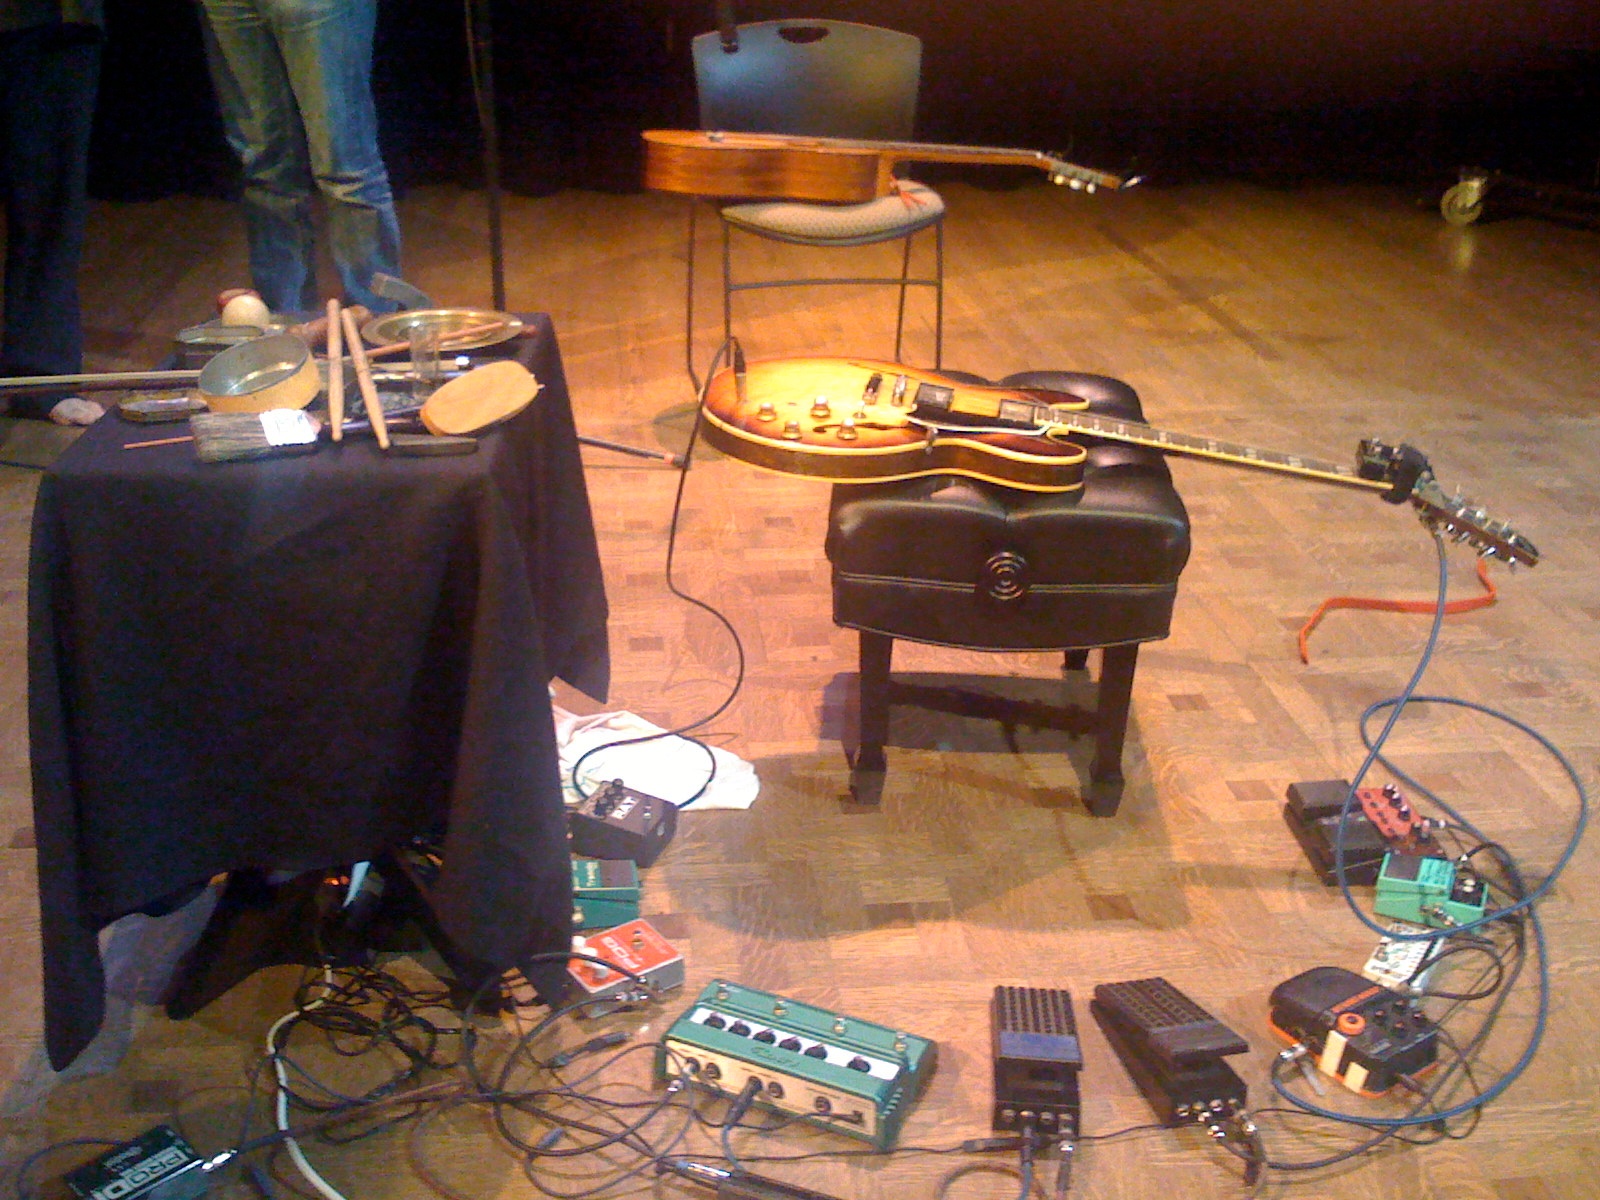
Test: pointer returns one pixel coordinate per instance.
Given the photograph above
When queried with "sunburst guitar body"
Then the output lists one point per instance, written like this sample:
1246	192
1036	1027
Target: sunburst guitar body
852	420
848	420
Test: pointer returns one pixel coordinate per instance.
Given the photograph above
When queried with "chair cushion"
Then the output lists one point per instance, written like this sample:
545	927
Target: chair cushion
910	207
959	562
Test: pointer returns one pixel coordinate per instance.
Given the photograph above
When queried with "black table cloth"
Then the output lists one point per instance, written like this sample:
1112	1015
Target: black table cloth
297	663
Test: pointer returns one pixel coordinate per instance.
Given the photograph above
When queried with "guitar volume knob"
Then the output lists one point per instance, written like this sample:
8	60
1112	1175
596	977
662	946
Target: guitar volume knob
820	408
766	411
791	431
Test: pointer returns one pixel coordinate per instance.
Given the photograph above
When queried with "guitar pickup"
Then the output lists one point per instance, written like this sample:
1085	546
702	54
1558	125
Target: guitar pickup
936	403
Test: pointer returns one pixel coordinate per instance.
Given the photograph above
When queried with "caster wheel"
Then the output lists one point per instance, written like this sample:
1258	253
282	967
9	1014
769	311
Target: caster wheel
1463	204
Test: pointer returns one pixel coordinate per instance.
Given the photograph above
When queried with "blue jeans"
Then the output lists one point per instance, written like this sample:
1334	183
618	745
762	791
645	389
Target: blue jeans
294	79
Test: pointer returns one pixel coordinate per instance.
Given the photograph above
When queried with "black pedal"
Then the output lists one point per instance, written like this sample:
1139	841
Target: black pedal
1172	1048
1359	1032
1037	1059
617	822
1312	812
1166	1025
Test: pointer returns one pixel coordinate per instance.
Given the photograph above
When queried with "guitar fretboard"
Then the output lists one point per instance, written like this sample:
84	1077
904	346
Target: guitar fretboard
1139	434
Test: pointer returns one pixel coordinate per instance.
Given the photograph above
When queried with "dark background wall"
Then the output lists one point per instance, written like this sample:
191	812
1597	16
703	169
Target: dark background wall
1371	89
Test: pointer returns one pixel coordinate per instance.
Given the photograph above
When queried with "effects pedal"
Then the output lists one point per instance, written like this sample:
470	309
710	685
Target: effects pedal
1312	812
1037	1059
1361	1033
842	1073
1400	825
1429	890
1173	1049
605	892
1401	963
618	822
636	947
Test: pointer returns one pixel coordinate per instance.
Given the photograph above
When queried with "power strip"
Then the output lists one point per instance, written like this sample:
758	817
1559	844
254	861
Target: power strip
1397	963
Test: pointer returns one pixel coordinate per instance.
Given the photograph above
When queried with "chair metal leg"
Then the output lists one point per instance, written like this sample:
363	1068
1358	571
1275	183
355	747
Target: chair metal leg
688	297
1117	665
938	296
727	283
900	316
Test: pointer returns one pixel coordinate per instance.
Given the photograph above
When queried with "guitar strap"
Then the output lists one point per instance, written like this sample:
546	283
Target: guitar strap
1374	604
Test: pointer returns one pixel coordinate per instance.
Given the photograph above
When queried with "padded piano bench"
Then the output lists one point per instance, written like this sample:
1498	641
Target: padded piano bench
959	562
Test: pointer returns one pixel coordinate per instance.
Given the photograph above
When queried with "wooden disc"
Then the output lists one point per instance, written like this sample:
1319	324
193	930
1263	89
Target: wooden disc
484	396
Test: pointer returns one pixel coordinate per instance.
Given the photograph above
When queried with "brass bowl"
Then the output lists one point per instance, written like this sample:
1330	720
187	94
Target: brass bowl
276	371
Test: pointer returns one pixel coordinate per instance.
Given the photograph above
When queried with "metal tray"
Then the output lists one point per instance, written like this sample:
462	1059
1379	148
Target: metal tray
399	326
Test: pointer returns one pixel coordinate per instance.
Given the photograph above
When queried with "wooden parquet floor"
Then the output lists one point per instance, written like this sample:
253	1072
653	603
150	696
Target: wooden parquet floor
1295	318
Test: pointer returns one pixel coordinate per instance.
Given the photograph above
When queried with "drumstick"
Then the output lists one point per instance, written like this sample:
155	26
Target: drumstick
335	372
369	393
454	335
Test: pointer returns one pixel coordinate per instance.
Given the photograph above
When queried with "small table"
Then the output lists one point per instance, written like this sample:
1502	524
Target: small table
298	663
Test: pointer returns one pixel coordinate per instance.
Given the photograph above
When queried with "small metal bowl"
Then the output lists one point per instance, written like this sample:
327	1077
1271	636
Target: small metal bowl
276	371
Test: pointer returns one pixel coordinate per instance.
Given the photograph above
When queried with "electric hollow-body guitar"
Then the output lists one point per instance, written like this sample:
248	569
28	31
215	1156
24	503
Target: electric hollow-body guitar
775	166
852	420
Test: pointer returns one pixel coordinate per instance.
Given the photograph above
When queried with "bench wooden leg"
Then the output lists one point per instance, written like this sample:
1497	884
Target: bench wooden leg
877	652
1115	698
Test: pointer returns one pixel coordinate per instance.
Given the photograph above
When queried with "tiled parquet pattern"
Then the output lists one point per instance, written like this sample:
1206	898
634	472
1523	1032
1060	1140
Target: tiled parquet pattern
1297	319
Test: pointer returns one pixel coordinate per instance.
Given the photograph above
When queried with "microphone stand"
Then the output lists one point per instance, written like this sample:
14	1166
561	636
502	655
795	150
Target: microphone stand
481	62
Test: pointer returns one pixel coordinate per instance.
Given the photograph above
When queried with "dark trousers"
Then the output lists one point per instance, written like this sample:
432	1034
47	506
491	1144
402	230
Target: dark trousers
48	79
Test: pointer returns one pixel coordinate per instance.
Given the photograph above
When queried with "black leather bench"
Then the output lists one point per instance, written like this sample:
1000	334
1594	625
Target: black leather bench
962	562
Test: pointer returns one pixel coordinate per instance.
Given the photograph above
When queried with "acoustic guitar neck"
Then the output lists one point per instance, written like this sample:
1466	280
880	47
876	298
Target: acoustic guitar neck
823	169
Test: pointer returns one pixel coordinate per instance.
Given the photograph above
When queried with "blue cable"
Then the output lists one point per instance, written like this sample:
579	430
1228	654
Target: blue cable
1525	903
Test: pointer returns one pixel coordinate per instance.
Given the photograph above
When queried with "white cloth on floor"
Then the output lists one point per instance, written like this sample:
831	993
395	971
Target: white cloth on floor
669	768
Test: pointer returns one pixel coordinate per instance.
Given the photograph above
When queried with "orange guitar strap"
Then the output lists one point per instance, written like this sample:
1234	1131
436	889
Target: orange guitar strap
1468	604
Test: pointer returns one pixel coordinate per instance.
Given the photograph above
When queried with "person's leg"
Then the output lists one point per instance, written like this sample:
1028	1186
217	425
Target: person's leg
48	79
263	126
327	48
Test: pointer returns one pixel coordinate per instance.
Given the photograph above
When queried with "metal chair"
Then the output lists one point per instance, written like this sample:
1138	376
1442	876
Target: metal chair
817	78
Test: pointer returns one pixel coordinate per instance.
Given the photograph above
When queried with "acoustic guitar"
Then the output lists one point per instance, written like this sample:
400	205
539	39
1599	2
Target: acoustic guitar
771	166
848	420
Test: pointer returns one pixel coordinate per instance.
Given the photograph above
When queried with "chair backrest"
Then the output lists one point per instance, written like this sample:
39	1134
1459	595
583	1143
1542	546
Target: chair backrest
815	78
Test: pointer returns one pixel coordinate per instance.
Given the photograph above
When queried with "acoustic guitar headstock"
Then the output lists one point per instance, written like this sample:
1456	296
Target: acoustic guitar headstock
1411	480
1084	179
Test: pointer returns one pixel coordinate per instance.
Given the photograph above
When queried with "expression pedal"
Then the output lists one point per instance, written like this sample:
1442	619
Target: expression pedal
839	1072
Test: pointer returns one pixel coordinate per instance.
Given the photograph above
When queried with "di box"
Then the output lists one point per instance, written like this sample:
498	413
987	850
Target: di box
156	1165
